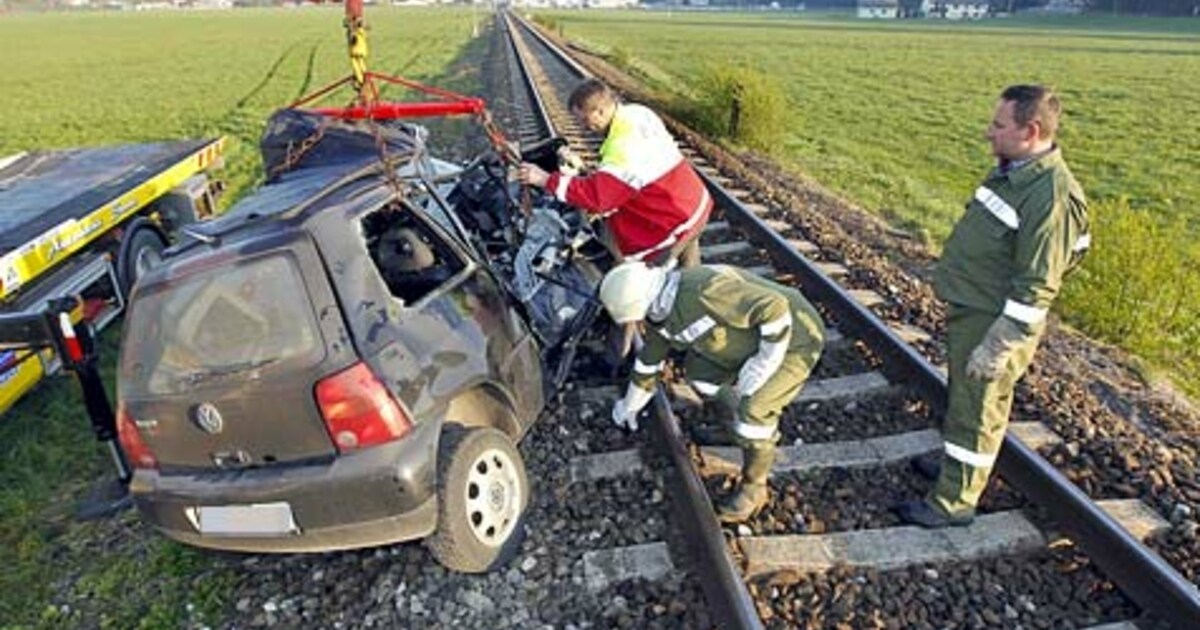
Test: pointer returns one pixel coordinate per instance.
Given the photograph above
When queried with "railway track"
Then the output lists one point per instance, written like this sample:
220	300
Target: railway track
827	552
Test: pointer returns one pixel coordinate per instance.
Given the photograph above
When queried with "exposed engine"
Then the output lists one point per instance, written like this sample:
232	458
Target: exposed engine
549	258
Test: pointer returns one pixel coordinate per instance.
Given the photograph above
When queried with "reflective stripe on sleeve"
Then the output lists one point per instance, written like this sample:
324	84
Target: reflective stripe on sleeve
560	191
646	369
706	388
1024	313
772	328
970	458
998	207
1082	243
760	367
753	431
696	329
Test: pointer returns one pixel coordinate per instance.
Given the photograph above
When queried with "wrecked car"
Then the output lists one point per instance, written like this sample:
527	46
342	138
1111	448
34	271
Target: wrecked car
349	356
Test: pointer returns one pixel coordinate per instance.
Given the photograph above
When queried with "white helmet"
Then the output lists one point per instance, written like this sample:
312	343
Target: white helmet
629	288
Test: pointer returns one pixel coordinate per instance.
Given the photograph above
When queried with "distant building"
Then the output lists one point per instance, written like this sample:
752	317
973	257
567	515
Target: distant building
608	4
955	9
1060	7
884	9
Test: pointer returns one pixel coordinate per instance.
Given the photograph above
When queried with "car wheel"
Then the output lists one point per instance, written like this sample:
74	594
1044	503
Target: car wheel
141	251
482	492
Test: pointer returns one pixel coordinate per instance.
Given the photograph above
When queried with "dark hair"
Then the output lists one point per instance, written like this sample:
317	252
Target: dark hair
589	93
1034	103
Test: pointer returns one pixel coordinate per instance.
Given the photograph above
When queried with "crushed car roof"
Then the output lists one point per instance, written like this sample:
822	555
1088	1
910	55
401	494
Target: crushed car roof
305	155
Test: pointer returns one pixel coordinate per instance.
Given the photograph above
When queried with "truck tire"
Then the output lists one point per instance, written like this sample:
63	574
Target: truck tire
482	496
141	250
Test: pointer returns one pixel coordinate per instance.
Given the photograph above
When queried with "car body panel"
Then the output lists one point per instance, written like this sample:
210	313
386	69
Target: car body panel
457	346
254	406
375	496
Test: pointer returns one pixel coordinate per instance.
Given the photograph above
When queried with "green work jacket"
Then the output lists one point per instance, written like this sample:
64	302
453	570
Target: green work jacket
722	313
1022	232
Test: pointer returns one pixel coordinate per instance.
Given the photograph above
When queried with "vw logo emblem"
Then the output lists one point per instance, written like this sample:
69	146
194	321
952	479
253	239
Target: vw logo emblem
208	418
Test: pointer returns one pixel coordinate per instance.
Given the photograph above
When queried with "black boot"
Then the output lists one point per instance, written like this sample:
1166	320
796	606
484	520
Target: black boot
919	512
751	495
928	465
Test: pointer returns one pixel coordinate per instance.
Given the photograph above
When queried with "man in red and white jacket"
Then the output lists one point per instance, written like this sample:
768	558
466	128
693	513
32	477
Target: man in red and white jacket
653	202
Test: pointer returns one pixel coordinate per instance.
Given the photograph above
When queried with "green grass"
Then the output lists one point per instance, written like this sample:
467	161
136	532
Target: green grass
891	114
60	572
82	79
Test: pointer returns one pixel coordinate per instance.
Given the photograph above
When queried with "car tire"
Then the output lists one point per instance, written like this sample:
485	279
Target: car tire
482	495
141	250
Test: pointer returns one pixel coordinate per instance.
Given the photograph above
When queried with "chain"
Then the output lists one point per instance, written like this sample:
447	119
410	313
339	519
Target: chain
389	164
295	155
508	153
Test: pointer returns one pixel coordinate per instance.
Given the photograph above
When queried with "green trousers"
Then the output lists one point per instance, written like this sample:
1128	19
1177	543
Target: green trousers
755	420
976	413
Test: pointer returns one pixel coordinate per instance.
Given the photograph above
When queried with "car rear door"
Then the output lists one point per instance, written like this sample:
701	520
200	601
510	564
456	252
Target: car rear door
220	356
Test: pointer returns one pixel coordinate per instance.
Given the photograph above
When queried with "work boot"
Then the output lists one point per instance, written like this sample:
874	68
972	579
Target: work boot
919	512
751	494
928	465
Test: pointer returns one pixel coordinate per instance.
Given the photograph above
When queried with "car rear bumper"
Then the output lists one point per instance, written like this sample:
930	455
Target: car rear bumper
381	495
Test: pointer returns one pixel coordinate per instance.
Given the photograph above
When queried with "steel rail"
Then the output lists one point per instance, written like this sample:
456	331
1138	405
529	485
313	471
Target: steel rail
727	595
1140	573
554	49
527	78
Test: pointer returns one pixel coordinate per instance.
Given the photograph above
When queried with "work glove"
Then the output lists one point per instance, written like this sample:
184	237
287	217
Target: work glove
989	358
625	410
569	162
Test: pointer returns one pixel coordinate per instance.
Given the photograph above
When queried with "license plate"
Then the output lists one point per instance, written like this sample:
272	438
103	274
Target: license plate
257	519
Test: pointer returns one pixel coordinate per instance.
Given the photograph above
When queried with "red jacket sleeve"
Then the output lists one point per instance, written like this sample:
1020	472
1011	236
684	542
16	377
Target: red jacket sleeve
598	193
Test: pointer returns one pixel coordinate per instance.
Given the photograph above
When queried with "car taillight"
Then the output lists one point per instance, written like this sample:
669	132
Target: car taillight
135	448
358	410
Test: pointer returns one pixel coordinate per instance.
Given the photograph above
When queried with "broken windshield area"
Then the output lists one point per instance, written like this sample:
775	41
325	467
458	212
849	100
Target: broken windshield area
231	322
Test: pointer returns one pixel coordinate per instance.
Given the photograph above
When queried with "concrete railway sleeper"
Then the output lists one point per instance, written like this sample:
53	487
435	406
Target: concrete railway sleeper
827	550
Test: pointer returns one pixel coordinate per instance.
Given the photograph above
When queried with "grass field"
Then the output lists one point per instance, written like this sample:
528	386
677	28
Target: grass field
891	115
74	80
78	79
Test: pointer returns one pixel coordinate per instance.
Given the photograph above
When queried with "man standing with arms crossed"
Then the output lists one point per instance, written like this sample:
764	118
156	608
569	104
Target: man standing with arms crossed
1024	229
653	202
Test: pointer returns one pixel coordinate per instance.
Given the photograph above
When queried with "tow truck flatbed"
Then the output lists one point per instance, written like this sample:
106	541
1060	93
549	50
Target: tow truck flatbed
53	203
67	216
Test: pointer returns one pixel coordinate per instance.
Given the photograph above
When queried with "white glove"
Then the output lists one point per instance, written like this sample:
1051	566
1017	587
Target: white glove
569	162
989	359
625	410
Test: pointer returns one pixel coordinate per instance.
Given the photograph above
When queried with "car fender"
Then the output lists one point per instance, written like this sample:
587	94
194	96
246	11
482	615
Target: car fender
485	405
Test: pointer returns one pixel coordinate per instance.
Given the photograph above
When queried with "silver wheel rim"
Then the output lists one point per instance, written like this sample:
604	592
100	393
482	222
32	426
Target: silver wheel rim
493	497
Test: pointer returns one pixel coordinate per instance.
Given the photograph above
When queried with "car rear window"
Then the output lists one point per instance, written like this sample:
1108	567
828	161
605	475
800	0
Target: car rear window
234	322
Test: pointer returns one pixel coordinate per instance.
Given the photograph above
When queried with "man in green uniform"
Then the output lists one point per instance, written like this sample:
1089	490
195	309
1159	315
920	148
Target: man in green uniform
749	343
1025	227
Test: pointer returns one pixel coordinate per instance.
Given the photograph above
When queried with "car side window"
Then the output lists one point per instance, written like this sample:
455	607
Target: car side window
411	258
